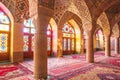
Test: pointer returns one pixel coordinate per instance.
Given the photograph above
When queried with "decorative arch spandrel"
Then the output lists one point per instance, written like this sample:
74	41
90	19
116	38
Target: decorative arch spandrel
104	23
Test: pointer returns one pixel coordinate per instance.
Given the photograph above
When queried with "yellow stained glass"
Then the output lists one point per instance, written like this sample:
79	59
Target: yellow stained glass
3	42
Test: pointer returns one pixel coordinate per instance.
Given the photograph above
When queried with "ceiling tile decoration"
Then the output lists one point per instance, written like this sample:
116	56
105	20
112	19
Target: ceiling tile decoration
47	3
9	4
21	10
115	30
104	24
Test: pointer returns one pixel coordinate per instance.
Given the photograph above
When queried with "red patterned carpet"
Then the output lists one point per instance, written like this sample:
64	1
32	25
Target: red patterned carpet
14	72
70	67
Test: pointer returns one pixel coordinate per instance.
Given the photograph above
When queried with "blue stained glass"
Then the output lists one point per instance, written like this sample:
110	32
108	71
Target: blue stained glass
3	38
3	42
33	31
3	47
28	23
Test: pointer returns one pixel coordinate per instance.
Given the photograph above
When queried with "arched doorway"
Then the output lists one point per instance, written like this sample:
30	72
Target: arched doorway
4	36
54	37
28	38
99	40
68	39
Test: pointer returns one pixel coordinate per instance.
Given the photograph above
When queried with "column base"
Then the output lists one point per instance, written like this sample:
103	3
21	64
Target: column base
116	52
39	77
107	55
60	56
88	61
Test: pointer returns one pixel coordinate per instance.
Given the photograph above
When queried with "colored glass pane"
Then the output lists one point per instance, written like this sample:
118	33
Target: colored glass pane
32	30
29	37
3	42
66	28
68	44
49	36
99	32
4	27
49	31
27	23
73	44
68	35
29	27
48	43
64	46
26	30
3	18
26	43
49	27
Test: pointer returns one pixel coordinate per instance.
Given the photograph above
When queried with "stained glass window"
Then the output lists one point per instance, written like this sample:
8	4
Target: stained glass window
3	18
4	32
26	30
29	31
68	37
26	43
68	44
68	31
99	39
48	43
73	44
64	44
28	23
49	38
29	27
3	42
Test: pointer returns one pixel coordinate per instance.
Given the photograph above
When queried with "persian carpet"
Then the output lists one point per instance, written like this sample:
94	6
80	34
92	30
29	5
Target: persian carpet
14	71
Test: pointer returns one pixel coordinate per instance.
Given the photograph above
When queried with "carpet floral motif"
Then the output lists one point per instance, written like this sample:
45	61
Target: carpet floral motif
8	72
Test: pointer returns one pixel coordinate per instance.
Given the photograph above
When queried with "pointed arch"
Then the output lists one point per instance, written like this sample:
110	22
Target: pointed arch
98	28
54	36
115	30
98	38
9	14
76	22
104	24
68	16
78	35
